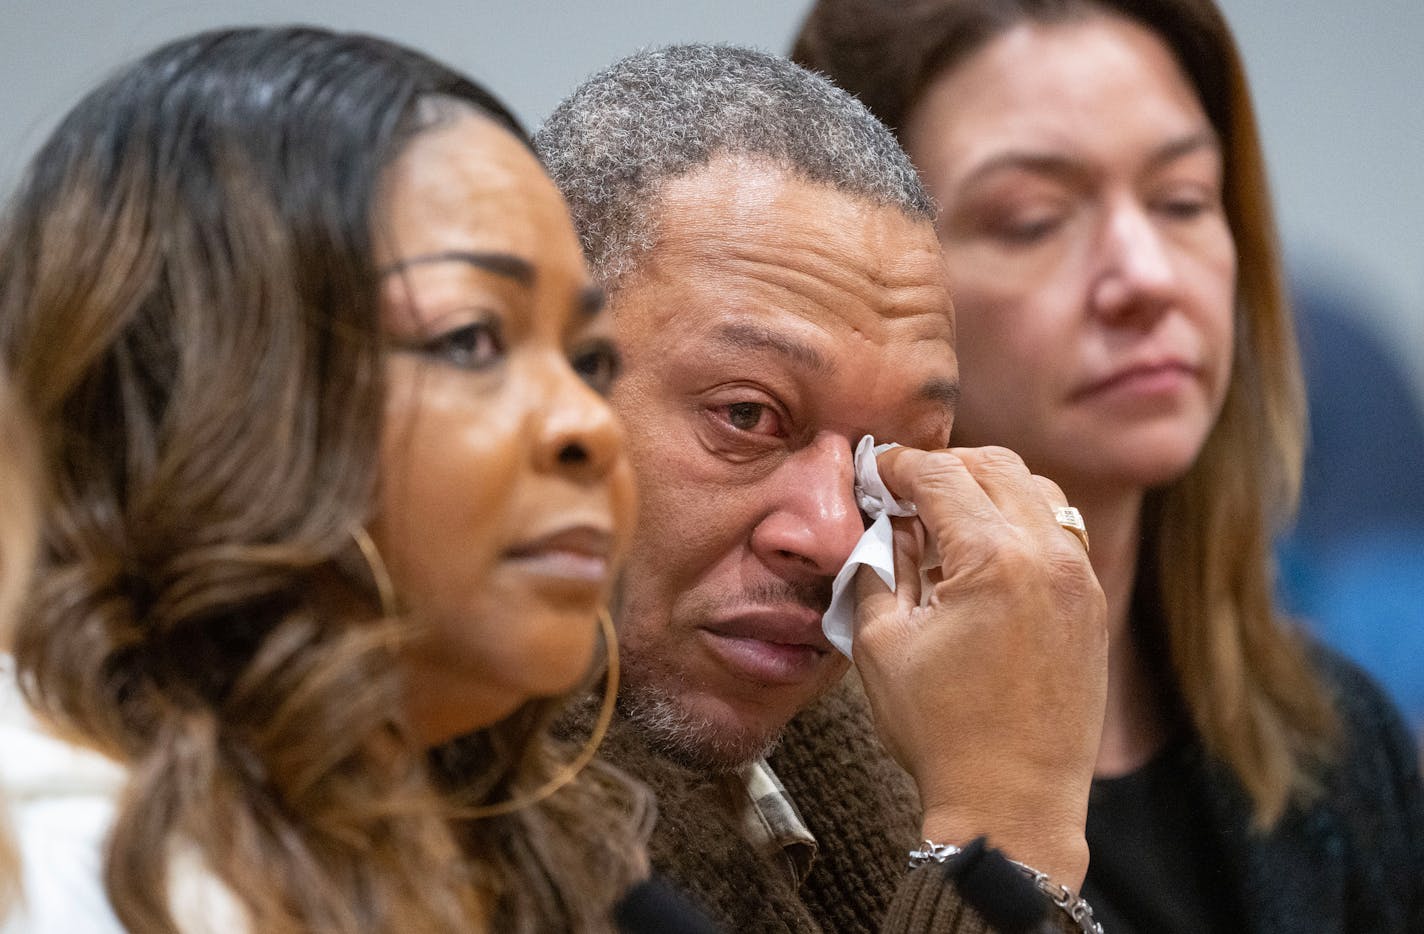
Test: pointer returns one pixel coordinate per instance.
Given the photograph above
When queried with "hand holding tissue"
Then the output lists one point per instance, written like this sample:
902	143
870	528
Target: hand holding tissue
982	645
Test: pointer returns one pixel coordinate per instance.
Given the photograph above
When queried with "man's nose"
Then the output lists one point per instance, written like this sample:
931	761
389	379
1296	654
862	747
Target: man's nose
1135	276
814	521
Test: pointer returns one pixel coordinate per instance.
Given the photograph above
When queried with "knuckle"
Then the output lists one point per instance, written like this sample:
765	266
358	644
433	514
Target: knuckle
940	471
1070	572
940	462
1051	489
991	457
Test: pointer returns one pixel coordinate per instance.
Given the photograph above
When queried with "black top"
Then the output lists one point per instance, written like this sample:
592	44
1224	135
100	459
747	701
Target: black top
1152	867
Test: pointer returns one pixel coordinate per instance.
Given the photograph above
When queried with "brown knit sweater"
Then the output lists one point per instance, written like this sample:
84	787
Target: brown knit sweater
862	809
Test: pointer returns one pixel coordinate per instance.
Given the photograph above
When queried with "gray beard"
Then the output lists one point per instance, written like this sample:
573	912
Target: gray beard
689	741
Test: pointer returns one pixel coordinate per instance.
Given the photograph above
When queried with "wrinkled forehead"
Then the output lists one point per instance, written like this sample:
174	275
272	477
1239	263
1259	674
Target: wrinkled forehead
806	247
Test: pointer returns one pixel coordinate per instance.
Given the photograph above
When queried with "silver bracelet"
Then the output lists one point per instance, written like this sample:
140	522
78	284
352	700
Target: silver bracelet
1076	907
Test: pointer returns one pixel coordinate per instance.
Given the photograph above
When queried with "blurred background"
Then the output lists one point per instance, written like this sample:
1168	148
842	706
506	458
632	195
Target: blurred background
1340	97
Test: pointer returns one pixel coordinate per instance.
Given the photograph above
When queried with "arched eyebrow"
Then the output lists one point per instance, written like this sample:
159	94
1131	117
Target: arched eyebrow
591	298
501	264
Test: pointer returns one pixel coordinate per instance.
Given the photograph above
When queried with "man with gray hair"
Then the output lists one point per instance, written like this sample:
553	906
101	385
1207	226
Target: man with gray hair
778	292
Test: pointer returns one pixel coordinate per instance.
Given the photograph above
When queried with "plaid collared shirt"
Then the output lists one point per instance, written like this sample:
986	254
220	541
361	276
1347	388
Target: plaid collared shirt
771	822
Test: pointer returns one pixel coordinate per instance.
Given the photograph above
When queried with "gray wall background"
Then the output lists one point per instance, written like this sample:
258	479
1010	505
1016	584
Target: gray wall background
1339	89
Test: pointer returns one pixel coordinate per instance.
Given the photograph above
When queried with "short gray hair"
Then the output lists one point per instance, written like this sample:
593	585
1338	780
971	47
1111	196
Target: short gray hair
657	115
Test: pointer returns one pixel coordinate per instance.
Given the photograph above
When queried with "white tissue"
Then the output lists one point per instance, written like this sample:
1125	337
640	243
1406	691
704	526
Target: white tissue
875	549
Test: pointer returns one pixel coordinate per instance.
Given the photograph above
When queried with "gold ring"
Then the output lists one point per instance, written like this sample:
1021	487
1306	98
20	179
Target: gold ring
1072	520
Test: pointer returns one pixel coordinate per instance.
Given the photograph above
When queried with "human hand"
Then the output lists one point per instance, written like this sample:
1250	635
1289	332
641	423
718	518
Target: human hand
992	694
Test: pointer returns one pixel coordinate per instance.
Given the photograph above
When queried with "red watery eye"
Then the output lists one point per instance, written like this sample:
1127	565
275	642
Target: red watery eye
751	417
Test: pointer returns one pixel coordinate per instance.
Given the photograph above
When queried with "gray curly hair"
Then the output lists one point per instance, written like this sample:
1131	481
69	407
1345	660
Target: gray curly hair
657	115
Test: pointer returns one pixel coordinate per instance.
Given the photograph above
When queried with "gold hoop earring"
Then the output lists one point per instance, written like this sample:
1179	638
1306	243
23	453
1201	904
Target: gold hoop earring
569	772
380	574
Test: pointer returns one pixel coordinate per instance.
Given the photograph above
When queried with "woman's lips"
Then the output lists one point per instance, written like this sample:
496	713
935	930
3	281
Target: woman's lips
575	554
1143	380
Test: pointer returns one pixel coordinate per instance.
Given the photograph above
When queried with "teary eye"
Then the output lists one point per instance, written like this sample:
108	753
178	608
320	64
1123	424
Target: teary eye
752	417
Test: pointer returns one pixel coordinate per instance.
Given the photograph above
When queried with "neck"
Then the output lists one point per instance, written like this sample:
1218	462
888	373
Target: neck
1135	724
442	701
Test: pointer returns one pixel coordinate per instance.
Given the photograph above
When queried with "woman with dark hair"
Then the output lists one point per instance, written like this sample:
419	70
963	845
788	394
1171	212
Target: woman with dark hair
1122	326
334	505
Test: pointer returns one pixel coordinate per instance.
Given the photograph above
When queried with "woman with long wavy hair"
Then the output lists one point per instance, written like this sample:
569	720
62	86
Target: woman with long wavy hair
1122	326
334	502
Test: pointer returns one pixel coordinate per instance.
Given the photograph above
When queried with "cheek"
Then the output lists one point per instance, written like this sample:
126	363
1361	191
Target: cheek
447	469
1010	313
1213	272
652	570
688	518
1009	335
662	452
1016	346
623	490
683	530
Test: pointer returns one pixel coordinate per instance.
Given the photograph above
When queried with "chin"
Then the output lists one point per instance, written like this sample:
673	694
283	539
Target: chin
1162	466
1140	460
545	668
564	675
699	732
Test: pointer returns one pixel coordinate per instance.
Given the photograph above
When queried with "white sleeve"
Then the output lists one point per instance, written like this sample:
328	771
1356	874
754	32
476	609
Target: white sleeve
60	845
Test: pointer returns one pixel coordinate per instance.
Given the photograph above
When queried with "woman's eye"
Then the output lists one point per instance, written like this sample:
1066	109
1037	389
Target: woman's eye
598	364
1020	215
1185	200
752	417
1183	209
1027	232
472	347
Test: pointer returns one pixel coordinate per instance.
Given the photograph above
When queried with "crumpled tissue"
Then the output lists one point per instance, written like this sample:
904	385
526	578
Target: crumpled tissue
875	549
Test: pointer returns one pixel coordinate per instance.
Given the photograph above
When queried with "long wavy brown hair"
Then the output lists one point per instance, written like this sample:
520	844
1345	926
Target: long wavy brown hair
189	310
18	489
1204	586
